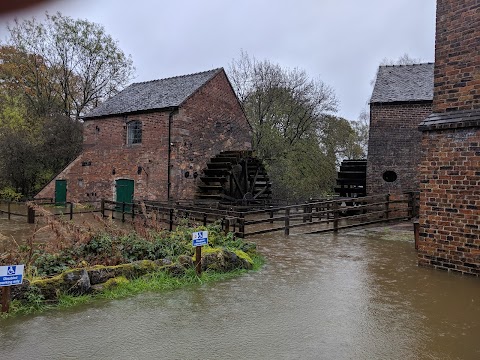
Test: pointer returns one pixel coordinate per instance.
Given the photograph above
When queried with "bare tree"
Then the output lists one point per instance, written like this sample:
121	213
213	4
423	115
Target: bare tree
285	109
73	61
51	73
279	102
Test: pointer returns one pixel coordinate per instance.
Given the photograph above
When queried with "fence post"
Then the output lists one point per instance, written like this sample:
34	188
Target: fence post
226	226
241	226
335	216
123	211
287	222
6	299
387	206
205	219
31	215
71	210
271	216
133	211
416	230
102	207
8	209
171	220
198	260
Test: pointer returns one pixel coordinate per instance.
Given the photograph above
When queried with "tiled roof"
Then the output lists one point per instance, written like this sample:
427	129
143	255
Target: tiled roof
451	120
399	83
155	94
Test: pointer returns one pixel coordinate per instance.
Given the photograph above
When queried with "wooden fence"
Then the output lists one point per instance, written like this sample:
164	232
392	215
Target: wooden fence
22	209
311	217
13	208
330	215
170	214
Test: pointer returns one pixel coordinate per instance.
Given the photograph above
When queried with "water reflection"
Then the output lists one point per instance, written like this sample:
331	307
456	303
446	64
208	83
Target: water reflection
355	295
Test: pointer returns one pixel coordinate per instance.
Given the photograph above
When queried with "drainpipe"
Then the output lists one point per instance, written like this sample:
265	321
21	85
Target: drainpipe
169	161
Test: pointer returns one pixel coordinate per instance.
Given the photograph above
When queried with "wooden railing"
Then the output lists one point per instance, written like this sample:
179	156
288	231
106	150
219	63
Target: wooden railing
311	217
168	213
330	215
27	209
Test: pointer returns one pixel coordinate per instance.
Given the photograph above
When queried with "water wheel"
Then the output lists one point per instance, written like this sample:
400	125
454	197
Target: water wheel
235	177
352	183
352	178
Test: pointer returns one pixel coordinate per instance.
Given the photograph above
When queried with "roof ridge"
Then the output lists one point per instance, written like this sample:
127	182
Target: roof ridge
179	76
405	65
154	94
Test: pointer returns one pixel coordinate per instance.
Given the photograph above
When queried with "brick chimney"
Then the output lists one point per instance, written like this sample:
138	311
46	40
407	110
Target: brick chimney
457	56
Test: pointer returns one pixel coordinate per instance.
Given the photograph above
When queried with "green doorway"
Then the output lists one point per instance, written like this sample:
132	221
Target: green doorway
60	192
124	192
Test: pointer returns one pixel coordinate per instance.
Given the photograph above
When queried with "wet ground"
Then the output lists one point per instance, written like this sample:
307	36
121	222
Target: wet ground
354	295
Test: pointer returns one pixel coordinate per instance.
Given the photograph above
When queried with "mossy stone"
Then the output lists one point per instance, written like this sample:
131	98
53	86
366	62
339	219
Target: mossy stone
114	282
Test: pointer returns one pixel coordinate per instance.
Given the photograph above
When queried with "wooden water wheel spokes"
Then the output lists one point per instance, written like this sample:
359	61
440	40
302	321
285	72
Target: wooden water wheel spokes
234	176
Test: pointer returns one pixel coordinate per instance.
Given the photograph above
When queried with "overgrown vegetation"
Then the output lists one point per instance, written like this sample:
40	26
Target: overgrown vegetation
103	243
51	73
295	131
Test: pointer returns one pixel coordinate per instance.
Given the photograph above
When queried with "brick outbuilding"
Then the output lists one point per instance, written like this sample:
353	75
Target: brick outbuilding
449	235
401	99
152	140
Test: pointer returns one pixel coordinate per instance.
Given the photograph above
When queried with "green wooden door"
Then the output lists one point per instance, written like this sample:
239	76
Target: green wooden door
60	191
124	192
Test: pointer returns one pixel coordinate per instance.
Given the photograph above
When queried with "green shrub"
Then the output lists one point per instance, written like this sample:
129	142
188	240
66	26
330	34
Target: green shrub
8	193
46	264
113	249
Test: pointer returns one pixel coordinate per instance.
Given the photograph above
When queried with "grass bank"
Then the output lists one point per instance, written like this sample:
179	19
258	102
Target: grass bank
50	268
155	282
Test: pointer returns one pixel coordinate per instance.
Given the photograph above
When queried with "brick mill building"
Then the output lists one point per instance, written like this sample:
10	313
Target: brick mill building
401	99
152	140
449	236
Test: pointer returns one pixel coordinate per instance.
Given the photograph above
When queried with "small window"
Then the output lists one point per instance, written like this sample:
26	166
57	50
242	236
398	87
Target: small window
390	176
134	132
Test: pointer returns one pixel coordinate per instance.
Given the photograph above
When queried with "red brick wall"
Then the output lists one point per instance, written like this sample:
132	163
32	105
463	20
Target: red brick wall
457	55
450	200
394	145
105	149
449	236
210	121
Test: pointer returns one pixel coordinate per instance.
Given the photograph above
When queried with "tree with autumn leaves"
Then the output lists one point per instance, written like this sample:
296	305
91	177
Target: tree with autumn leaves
51	73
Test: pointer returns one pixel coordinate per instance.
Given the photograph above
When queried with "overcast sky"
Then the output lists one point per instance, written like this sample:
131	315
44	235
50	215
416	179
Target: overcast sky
340	41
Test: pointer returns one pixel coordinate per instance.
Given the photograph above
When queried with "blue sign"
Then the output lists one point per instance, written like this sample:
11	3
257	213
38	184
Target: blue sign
200	238
11	275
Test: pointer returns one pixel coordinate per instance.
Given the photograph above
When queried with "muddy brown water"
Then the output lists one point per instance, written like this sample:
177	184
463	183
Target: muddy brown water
354	295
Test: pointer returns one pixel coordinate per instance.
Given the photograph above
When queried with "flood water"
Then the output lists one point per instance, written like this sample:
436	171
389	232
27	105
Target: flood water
355	295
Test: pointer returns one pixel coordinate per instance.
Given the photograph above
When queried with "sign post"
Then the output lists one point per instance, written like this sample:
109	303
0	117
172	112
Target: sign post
199	239
9	275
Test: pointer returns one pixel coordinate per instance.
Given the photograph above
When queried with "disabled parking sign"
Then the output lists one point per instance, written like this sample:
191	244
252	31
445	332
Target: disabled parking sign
200	238
11	275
